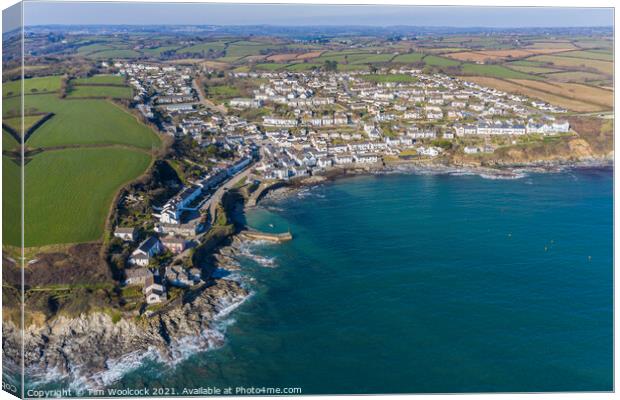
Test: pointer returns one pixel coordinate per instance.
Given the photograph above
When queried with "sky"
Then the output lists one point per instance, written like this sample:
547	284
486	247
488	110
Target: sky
71	13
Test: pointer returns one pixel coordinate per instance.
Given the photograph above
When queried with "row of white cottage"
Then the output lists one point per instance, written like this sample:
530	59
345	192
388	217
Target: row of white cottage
507	129
172	210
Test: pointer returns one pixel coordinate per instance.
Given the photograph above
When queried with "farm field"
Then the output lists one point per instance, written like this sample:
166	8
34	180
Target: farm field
101	79
203	48
606	67
158	51
11	212
114	53
302	66
593	55
408	58
574	97
69	192
85	121
70	189
531	69
575	76
440	61
390	78
8	141
32	86
497	71
116	92
15	122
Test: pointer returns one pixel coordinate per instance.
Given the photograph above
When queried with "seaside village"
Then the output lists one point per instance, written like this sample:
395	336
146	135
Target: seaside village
299	124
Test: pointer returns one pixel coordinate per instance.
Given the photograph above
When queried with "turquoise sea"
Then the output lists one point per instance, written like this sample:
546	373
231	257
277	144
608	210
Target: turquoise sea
423	283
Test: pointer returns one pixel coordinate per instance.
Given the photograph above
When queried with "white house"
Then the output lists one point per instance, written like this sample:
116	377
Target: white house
147	249
126	234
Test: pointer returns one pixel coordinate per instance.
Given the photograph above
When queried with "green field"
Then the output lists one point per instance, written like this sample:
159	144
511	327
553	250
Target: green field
531	70
157	51
302	66
68	192
32	86
114	53
575	76
440	61
223	91
101	80
605	67
115	92
92	48
15	122
84	121
8	141
408	58
589	55
495	71
242	49
269	66
390	78
11	211
203	48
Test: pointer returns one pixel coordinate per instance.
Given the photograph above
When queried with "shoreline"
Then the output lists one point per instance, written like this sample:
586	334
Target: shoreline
507	171
206	334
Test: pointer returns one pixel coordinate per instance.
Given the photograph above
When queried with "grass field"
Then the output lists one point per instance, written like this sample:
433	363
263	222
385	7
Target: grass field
68	192
497	71
203	47
575	76
85	121
408	58
223	91
115	92
92	48
101	80
302	66
532	69
589	55
8	141
605	67
440	61
390	78
11	211
32	86
242	49
269	66
15	122
114	53
157	51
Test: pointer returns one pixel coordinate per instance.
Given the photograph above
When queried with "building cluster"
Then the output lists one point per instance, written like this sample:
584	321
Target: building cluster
166	87
309	122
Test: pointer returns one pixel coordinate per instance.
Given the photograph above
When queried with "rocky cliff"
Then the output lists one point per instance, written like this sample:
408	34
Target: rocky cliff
94	350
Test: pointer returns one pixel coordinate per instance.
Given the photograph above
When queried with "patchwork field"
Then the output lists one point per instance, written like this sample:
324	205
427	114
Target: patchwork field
90	148
85	122
32	86
575	97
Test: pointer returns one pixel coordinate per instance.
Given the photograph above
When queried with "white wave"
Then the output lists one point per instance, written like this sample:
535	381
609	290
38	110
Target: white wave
179	350
503	176
261	260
